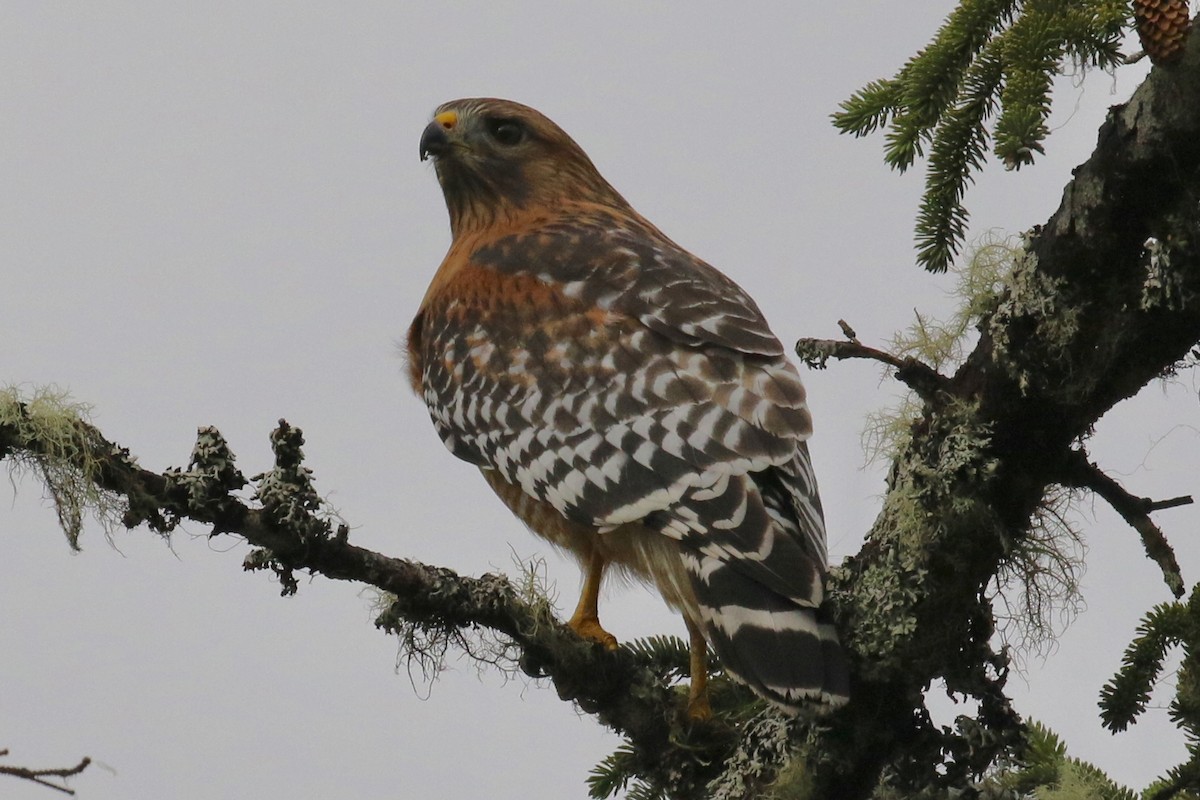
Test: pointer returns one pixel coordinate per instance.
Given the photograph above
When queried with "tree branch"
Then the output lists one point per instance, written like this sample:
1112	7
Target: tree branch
1081	473
625	690
917	375
39	776
1086	319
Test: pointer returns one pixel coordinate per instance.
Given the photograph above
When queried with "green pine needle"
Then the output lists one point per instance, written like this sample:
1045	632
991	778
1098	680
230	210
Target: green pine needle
1125	697
989	57
613	773
869	108
668	656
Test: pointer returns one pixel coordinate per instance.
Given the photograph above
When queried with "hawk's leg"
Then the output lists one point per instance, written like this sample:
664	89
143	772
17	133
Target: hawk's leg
586	619
698	707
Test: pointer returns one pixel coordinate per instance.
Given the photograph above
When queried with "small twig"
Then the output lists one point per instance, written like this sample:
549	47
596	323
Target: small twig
38	776
917	375
1083	474
1174	502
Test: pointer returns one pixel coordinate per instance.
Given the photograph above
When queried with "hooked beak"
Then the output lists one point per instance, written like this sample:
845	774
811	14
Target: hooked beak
435	139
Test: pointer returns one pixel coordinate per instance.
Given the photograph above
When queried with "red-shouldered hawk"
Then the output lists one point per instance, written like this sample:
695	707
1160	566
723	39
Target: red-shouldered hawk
626	400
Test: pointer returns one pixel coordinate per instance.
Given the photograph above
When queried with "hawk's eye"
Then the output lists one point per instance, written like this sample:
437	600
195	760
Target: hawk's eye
506	131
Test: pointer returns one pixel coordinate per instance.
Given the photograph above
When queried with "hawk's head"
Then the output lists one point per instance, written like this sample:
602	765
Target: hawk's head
495	158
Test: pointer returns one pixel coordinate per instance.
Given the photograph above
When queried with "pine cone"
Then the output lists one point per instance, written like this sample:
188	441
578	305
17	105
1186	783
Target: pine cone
1162	25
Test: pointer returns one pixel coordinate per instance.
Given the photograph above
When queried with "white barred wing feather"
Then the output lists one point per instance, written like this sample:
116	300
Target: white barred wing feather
645	386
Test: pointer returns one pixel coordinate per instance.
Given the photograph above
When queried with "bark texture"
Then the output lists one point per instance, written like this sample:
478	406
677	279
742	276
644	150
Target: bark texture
1105	299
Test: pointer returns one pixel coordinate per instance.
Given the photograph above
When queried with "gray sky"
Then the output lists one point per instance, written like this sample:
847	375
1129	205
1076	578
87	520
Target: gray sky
214	214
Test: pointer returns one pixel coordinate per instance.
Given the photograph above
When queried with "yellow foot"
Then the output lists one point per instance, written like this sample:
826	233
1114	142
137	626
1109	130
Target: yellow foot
698	707
589	628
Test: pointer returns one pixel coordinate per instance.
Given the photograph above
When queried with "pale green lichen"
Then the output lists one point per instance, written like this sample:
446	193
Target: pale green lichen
286	491
427	645
794	782
56	443
926	505
1163	287
886	432
533	585
1078	781
211	474
766	744
423	647
943	343
1038	305
1037	586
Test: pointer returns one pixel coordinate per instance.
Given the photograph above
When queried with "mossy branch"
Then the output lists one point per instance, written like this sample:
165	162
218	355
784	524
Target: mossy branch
65	459
1066	335
630	689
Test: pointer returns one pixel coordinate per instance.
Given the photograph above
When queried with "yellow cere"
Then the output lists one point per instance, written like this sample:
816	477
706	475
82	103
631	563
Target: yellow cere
447	119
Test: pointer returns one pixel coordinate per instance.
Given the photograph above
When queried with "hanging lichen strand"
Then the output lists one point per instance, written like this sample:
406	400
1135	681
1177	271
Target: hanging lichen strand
988	57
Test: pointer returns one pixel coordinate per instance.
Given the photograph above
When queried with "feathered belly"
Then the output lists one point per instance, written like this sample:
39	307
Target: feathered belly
639	553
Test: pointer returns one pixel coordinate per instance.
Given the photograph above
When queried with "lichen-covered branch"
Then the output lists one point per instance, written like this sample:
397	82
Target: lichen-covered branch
627	689
41	776
1088	316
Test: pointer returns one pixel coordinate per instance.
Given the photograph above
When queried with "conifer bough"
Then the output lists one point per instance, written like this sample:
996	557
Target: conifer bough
994	59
